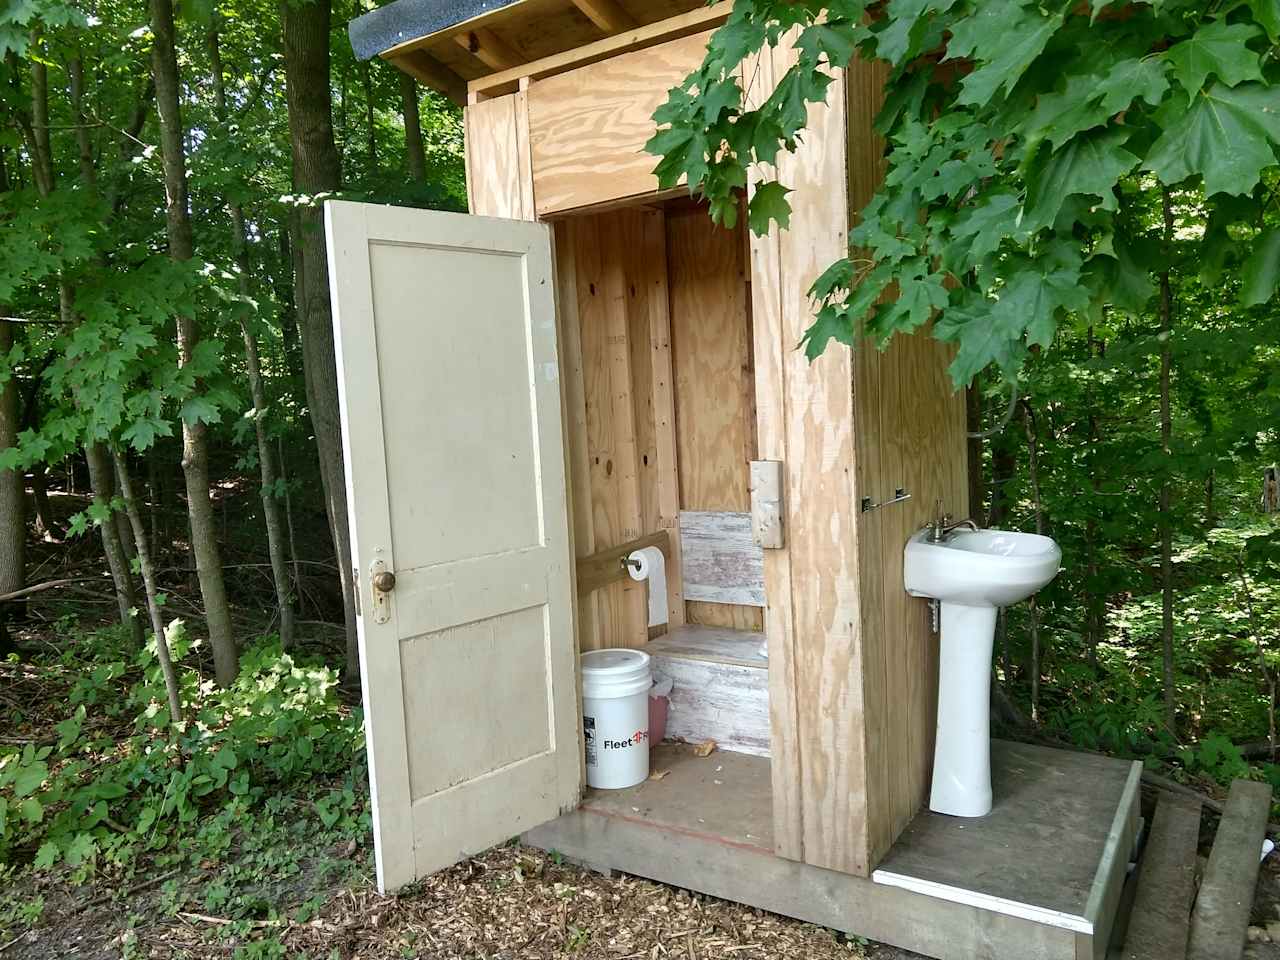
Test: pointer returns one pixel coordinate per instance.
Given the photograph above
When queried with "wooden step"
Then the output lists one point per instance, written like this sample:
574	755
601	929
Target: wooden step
1161	916
1220	920
721	686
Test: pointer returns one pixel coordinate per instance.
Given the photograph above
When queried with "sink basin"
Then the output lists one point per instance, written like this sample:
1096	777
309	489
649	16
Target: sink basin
971	574
987	568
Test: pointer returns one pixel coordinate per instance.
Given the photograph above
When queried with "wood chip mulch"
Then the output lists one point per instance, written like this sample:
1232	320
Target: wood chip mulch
514	903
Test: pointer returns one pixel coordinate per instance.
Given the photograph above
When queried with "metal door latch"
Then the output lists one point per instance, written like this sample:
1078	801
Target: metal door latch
381	582
899	495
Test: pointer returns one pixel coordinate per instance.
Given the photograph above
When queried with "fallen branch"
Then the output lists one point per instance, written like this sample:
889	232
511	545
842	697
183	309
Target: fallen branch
41	587
223	921
136	888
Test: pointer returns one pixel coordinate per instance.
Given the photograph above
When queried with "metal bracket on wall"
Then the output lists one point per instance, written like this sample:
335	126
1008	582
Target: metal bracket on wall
899	495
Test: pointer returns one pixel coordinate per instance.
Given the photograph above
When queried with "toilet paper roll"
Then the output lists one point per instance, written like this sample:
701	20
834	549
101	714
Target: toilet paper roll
649	564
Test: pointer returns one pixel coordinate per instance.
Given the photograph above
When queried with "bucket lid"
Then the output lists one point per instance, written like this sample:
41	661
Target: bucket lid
614	664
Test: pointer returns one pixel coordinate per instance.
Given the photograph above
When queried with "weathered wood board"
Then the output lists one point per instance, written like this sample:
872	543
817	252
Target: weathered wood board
1161	916
720	561
720	687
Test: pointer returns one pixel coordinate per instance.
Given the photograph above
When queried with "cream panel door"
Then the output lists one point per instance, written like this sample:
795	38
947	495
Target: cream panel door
444	326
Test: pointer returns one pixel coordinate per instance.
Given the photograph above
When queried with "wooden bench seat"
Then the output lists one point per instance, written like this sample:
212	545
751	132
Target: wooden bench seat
720	686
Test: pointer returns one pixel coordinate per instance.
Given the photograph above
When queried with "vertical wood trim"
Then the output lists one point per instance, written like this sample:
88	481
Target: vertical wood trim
575	413
634	617
770	348
822	534
499	165
654	248
524	156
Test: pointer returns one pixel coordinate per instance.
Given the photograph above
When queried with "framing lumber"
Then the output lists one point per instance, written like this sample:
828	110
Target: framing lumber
771	350
608	15
695	21
605	566
489	48
426	68
654	251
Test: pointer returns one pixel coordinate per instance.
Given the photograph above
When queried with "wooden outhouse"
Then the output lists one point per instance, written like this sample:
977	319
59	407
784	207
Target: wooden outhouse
586	365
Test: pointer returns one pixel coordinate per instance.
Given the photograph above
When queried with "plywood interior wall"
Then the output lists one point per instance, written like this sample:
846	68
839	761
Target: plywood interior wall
711	355
659	342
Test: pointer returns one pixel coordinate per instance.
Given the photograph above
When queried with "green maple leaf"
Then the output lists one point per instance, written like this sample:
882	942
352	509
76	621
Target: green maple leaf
769	203
920	293
200	410
1228	136
1091	164
837	321
720	95
1261	272
1267	13
1144	77
1034	293
981	227
1117	278
1003	37
835	42
1218	48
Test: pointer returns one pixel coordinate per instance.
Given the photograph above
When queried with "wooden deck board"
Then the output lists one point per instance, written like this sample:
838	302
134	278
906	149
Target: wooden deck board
1161	913
1043	841
1223	906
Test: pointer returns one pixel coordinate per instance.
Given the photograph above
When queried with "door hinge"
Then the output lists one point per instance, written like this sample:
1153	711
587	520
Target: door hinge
355	589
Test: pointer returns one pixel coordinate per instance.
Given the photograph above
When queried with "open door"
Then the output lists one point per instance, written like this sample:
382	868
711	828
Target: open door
449	390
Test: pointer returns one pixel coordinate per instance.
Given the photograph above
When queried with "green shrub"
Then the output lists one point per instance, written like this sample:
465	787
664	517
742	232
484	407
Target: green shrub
99	795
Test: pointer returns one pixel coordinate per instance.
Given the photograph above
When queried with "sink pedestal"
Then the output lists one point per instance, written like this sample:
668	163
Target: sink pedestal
962	754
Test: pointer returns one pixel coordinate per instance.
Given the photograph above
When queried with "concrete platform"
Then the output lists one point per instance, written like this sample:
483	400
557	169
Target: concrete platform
1038	879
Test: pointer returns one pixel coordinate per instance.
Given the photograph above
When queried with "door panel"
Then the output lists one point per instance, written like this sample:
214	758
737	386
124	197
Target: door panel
449	392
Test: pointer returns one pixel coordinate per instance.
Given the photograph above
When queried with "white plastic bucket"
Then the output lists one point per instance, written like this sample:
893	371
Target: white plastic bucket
615	717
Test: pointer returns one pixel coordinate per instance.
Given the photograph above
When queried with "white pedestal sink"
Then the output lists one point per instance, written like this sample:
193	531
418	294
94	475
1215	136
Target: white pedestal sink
972	574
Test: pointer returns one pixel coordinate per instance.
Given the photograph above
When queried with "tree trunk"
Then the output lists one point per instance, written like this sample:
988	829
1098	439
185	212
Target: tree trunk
1033	474
149	584
317	168
195	451
100	480
1094	601
13	525
1166	493
266	456
414	150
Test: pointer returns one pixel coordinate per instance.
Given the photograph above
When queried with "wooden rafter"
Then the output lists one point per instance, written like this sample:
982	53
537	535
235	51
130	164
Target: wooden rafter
433	73
489	48
695	21
608	15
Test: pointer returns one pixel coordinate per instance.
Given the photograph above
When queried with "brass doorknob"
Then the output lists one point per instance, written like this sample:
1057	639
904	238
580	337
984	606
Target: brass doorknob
384	582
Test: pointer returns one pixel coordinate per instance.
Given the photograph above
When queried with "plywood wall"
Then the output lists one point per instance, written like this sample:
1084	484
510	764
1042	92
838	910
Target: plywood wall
910	435
714	377
612	267
806	421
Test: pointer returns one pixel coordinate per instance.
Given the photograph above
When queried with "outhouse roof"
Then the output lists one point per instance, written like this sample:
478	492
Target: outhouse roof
447	43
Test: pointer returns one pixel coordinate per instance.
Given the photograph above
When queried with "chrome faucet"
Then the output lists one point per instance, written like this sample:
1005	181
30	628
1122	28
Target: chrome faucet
943	525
